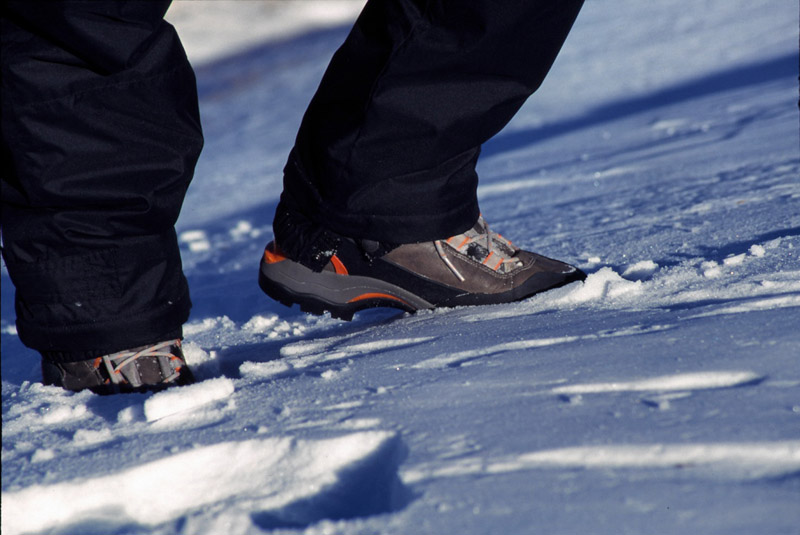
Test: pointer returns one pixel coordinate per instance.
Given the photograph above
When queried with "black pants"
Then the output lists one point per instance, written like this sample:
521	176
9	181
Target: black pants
100	135
388	146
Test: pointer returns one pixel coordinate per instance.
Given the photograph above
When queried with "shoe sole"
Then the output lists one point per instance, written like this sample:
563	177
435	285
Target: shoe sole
342	296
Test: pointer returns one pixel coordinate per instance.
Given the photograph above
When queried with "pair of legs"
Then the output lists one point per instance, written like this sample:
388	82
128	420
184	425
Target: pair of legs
101	133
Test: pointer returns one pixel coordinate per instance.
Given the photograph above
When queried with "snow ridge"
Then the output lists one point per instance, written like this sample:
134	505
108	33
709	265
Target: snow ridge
287	481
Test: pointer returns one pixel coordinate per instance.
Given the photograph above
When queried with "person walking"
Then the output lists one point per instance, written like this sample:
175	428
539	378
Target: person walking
100	137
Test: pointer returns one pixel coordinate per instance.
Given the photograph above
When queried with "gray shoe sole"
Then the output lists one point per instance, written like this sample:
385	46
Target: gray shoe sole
291	283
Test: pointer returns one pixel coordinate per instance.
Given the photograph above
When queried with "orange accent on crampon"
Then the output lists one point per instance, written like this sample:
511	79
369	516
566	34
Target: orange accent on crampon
273	255
338	266
363	297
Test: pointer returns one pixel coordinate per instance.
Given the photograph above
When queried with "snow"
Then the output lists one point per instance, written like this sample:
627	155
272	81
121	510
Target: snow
292	480
682	382
722	461
662	395
225	27
178	401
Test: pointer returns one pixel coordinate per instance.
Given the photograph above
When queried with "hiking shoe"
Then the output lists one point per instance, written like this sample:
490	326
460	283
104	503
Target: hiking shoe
478	267
143	369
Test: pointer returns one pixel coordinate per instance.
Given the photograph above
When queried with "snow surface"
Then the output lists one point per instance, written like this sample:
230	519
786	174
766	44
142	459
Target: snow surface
661	396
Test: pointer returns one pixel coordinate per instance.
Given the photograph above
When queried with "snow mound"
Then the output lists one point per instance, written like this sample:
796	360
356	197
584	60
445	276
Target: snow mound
640	270
755	305
604	284
722	461
178	400
684	381
288	481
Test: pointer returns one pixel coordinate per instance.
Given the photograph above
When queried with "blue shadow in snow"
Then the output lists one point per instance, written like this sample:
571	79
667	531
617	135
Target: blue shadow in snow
778	68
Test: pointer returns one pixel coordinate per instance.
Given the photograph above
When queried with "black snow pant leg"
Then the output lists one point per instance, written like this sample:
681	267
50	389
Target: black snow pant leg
100	136
388	146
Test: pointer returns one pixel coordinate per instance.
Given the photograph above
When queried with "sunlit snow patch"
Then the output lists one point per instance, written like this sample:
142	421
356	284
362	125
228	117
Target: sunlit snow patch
286	481
9	329
242	230
683	381
711	269
727	461
36	406
604	284
91	437
186	398
272	326
383	345
669	126
196	240
196	327
264	370
196	356
640	270
461	357
299	356
743	459
754	305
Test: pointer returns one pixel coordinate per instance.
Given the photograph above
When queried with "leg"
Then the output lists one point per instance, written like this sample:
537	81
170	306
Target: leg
388	146
100	135
386	155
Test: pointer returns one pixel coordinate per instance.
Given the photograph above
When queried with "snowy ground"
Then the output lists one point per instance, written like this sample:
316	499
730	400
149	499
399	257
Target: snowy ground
662	396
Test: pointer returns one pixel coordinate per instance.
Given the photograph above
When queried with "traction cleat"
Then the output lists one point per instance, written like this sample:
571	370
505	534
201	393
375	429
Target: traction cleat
143	369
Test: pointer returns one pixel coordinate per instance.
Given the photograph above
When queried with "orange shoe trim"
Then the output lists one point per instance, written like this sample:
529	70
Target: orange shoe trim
273	255
363	297
338	266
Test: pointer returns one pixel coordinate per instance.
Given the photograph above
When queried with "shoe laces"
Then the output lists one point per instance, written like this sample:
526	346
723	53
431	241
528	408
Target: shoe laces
122	368
482	245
